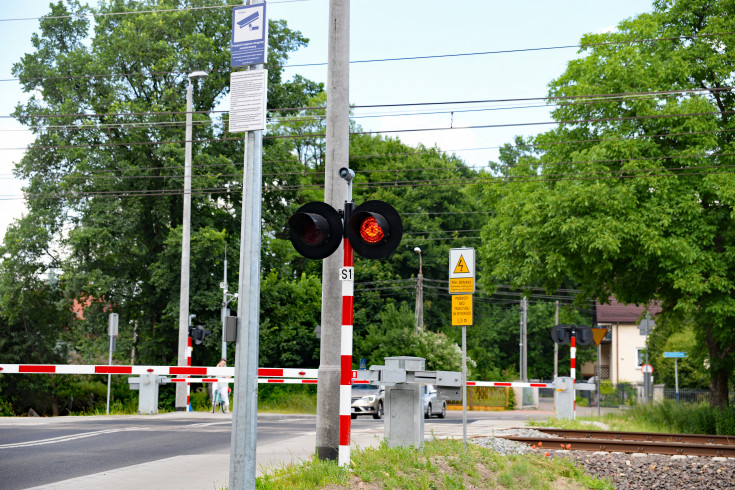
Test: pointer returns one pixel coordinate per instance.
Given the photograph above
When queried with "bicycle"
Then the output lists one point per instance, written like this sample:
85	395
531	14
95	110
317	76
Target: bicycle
217	401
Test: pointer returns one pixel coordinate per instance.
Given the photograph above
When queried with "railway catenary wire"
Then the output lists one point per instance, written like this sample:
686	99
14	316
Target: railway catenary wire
593	99
434	150
387	185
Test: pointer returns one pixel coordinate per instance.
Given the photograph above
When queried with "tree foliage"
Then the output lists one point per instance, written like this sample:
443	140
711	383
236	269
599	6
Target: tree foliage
632	194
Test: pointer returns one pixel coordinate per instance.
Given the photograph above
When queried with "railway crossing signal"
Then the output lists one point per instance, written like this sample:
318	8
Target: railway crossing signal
373	228
316	230
198	334
561	334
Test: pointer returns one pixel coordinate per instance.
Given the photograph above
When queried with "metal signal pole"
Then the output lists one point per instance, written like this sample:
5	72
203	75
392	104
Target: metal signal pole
337	148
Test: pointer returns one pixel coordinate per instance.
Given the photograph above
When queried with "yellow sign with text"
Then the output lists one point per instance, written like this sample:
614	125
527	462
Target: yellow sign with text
461	285
462	309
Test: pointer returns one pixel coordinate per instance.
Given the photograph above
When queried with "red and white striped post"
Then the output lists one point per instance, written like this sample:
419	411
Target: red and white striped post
345	380
188	363
573	360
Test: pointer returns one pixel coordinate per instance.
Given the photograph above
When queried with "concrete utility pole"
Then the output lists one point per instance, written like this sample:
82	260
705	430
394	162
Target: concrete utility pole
419	295
335	194
524	354
556	346
181	404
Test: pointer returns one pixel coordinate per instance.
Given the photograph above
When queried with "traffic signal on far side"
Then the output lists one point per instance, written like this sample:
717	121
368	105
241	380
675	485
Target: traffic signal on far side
198	334
374	229
316	230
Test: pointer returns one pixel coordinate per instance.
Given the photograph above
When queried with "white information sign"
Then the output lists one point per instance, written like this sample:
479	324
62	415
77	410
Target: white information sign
247	100
461	270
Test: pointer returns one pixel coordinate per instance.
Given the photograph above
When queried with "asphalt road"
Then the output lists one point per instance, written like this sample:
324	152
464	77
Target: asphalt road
41	451
52	450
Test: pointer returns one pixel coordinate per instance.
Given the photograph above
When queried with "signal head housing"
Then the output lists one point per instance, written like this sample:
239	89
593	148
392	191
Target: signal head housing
315	230
374	229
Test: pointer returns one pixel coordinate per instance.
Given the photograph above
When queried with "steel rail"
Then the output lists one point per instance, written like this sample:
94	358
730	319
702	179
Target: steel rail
612	445
640	436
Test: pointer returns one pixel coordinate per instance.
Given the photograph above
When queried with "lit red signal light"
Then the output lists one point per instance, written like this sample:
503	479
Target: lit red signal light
371	231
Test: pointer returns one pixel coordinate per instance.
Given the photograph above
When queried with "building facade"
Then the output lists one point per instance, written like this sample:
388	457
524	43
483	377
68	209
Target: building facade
623	348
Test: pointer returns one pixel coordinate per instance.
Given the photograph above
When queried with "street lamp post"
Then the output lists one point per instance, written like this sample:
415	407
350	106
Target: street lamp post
419	294
181	404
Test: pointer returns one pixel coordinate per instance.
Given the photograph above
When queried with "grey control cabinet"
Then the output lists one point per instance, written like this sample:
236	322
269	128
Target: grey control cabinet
404	408
564	404
566	394
403	377
147	386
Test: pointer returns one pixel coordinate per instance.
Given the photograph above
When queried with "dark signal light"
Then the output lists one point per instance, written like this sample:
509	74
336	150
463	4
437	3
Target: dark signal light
315	230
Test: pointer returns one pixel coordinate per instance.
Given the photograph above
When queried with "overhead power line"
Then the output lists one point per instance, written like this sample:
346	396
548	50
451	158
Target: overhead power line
387	131
135	12
374	60
515	181
322	117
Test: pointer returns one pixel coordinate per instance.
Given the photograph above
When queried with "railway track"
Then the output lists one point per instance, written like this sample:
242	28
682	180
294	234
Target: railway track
633	442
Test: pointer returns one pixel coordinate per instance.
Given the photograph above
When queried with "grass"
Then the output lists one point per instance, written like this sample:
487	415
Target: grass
666	416
440	464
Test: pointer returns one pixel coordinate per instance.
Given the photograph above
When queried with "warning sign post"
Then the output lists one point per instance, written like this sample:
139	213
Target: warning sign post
462	282
461	309
461	270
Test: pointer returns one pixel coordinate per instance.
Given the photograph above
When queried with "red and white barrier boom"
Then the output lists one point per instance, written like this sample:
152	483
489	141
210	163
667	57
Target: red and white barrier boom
161	370
221	374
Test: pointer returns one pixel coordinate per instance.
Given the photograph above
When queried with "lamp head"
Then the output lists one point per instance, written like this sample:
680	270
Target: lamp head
417	250
198	74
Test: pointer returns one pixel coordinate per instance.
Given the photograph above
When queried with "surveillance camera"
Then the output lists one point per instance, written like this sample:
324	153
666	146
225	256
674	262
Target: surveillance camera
347	174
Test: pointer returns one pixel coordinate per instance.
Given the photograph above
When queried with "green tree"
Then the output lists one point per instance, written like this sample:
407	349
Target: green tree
631	195
105	172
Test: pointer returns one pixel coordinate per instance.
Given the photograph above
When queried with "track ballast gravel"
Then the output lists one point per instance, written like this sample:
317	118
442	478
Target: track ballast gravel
652	471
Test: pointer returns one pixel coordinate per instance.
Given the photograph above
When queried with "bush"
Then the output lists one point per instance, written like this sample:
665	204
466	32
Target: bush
287	398
688	419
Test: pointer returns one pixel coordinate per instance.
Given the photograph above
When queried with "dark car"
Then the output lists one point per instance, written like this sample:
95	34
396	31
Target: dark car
367	400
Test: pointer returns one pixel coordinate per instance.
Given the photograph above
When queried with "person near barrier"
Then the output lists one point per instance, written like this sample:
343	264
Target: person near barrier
224	389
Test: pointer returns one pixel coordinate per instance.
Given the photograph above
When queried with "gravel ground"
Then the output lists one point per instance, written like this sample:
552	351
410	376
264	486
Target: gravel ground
656	470
637	471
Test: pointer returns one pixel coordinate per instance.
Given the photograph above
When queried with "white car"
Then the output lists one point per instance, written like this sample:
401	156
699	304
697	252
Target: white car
367	400
432	404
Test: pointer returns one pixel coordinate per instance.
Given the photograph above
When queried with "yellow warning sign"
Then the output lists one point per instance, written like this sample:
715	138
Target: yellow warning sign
462	309
461	270
462	285
461	267
598	334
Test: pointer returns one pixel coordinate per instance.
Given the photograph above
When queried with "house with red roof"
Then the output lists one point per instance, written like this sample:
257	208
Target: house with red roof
623	348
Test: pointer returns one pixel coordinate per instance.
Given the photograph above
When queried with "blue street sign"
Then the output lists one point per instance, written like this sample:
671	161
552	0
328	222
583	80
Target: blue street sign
249	35
363	363
675	355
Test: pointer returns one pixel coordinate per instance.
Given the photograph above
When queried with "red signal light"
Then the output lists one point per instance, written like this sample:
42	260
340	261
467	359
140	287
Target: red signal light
312	235
371	231
374	229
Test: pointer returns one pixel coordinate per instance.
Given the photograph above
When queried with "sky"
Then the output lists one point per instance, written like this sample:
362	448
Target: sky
381	29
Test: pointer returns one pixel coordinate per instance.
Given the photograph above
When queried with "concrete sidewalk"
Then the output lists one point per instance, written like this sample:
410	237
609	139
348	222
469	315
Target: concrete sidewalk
213	468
